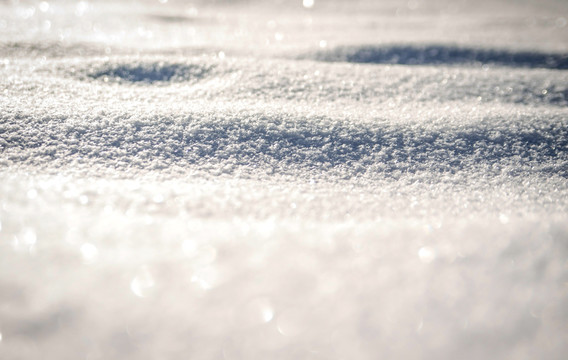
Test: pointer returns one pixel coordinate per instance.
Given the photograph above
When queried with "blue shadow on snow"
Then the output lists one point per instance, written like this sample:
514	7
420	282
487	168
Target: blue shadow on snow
443	55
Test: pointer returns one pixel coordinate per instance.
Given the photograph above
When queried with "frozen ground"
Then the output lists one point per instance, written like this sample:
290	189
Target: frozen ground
284	180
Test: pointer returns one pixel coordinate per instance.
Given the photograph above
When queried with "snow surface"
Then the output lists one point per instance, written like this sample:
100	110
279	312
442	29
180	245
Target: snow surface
284	179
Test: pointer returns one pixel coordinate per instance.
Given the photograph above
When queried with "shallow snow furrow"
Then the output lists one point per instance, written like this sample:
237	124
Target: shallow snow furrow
149	72
443	55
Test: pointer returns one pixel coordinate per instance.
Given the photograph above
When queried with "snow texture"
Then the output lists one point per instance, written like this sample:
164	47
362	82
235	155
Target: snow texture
284	179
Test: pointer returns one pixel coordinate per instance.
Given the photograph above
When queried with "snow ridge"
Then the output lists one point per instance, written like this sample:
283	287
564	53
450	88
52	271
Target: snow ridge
283	142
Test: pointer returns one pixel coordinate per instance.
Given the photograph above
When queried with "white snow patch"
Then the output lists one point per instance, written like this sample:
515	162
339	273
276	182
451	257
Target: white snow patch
283	180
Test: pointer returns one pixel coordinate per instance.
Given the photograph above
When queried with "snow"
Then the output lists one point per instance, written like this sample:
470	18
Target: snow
283	179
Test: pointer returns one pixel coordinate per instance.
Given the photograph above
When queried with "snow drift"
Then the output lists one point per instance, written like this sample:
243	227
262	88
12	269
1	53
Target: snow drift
283	180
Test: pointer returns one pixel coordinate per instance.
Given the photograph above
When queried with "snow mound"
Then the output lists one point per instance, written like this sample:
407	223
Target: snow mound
443	55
